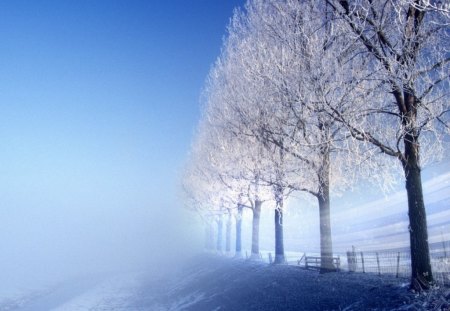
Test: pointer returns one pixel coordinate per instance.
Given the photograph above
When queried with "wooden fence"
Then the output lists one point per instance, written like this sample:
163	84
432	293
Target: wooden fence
396	263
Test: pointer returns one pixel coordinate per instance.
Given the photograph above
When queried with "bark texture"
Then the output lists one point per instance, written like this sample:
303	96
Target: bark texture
255	229
418	230
323	197
219	235
326	244
279	240
239	232
228	235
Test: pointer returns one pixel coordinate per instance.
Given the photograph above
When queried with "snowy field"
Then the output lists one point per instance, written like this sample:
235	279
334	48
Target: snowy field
87	293
216	283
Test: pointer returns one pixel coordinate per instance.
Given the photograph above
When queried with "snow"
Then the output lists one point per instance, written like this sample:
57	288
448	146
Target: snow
187	301
92	292
112	294
14	295
218	283
13	299
210	282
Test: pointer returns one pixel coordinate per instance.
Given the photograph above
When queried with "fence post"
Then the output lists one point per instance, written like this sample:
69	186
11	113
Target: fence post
362	262
378	264
351	261
270	257
398	264
443	245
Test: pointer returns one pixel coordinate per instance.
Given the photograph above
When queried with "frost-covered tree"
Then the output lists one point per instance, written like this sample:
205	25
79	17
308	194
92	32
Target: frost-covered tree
406	45
234	97
304	90
283	60
238	158
204	191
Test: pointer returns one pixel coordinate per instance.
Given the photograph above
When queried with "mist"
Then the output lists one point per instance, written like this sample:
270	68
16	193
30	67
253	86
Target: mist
45	242
80	196
95	125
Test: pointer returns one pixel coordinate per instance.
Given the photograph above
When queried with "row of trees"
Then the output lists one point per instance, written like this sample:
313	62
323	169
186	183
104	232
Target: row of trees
312	96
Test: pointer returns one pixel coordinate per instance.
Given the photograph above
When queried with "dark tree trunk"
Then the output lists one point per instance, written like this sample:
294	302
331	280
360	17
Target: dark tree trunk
255	229
418	230
219	235
239	232
421	275
228	235
279	241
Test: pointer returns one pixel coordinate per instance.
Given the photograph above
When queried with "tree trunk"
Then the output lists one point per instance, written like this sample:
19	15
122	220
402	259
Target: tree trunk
239	232
255	230
211	236
279	241
326	244
228	234
418	231
219	235
207	237
323	197
408	105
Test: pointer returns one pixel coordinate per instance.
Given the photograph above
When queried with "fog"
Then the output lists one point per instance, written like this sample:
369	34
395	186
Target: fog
80	196
98	104
44	243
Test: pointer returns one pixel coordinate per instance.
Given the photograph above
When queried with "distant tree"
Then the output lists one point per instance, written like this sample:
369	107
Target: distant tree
219	233
203	191
238	236
209	234
223	173
228	231
282	75
240	163
232	97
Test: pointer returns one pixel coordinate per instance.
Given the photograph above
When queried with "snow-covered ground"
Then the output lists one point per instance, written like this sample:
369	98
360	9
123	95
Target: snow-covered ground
217	283
83	293
115	293
14	298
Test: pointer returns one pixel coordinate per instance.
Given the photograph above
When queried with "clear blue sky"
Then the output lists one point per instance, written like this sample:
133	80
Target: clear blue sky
98	103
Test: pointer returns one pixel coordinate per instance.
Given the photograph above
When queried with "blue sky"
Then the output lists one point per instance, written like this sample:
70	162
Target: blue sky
98	104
